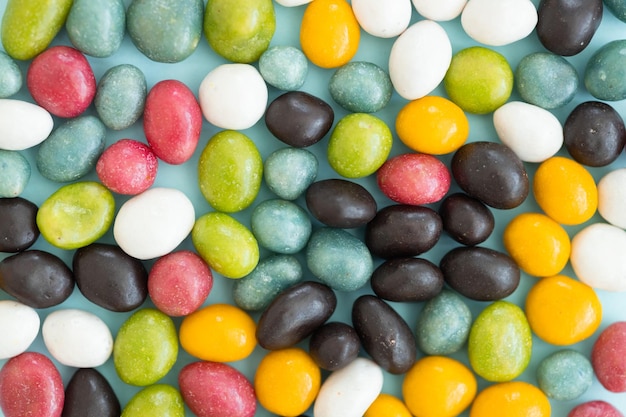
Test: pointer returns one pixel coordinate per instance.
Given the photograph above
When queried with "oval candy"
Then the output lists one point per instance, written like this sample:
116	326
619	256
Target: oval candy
340	203
11	79
157	399
497	22
18	224
16	170
383	20
407	280
23	124
19	324
466	219
607	357
96	28
120	96
89	393
334	345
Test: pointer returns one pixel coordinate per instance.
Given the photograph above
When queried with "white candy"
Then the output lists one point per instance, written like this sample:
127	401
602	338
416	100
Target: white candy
293	3
533	133
153	223
233	96
23	124
612	197
439	10
19	326
384	19
77	338
498	22
597	257
349	391
419	59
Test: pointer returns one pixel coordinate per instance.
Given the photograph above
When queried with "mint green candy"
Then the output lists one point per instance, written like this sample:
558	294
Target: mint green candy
361	87
284	67
15	173
121	96
11	79
96	28
155	400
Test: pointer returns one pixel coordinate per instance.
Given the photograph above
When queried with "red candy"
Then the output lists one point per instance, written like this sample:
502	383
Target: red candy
213	389
30	385
61	81
595	409
172	121
127	167
179	282
608	357
414	178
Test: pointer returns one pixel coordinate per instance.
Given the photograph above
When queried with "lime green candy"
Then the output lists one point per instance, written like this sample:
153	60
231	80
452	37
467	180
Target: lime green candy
226	245
230	171
479	80
359	145
29	26
239	30
155	400
500	342
76	215
146	347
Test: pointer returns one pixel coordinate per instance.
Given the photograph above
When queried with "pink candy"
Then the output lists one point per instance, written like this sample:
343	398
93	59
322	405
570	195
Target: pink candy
595	409
608	357
127	167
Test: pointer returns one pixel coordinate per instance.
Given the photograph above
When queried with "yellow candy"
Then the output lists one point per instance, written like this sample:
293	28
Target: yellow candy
287	381
539	245
565	191
563	311
511	399
218	333
438	386
386	405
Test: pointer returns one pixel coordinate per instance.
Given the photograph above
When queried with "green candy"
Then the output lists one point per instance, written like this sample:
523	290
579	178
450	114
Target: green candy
146	347
29	26
155	400
546	80
605	73
230	171
226	245
76	214
97	28
15	173
11	79
239	30
121	96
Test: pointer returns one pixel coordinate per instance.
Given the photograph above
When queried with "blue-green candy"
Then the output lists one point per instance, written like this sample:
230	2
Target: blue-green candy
11	79
605	73
72	150
121	96
281	226
14	173
617	7
546	80
96	28
361	87
284	67
565	375
288	172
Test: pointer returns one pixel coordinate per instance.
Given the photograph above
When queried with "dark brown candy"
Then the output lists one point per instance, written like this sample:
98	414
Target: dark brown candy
594	134
36	278
480	273
565	27
340	203
18	224
407	279
334	345
299	119
492	173
384	334
88	393
110	278
294	314
403	230
466	219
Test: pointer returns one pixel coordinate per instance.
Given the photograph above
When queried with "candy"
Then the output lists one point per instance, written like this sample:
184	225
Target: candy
611	197
284	67
500	342
288	172
402	230
299	119
127	167
280	226
77	338
412	79
618	9
498	23
11	76
30	383
218	333
334	345
18	226
157	399
230	171
234	34
120	96
134	228
19	324
340	203
294	314
339	259
89	392
23	124
145	348
361	87
466	219
439	11
406	280
15	172
596	408
384	334
96	28
287	381
518	398
72	150
384	21
607	357
387	405
565	375
165	32
602	75
110	278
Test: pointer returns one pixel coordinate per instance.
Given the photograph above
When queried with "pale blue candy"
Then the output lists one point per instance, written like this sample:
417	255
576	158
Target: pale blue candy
281	226
11	79
361	87
617	7
283	67
565	375
121	96
288	172
96	28
546	80
605	74
14	173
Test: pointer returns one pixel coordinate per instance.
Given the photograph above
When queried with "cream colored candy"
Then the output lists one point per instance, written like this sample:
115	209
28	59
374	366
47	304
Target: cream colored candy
499	22
23	124
612	197
384	19
439	10
19	326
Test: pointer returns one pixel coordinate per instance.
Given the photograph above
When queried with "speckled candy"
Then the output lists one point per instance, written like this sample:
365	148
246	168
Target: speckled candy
361	87
608	357
127	167
618	8
605	72
284	67
120	96
16	171
11	79
96	28
280	226
595	408
288	172
564	375
157	399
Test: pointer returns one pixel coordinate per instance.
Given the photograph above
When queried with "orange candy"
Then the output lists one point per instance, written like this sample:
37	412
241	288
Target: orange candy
511	399
329	33
386	405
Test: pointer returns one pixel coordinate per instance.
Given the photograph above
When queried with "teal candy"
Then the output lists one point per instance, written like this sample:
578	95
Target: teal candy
14	173
96	28
165	31
444	324
281	226
565	375
271	276
72	150
121	96
288	172
284	67
11	79
546	80
361	87
617	7
605	74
